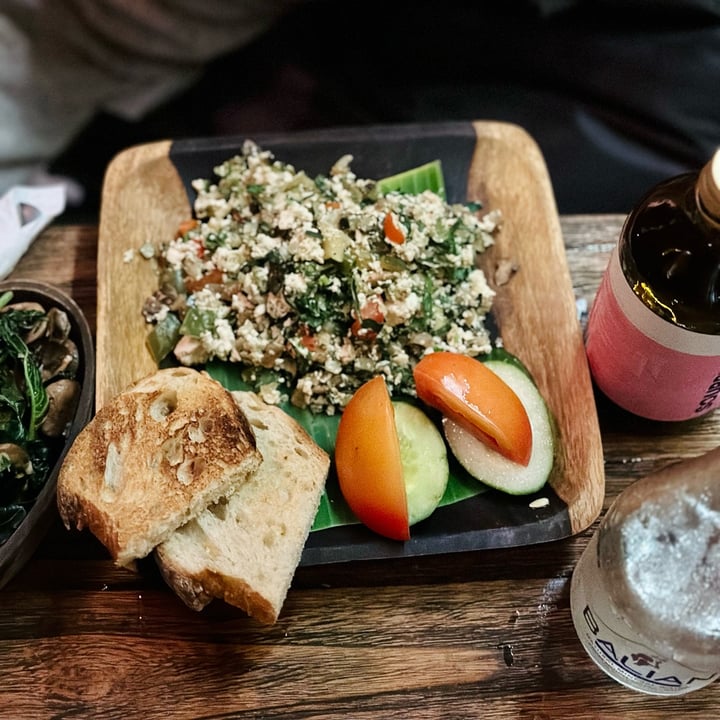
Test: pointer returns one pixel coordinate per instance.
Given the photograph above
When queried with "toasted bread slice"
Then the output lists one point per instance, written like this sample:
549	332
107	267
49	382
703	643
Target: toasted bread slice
154	457
245	550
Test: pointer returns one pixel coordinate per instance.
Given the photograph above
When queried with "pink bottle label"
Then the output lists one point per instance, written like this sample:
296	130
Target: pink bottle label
645	364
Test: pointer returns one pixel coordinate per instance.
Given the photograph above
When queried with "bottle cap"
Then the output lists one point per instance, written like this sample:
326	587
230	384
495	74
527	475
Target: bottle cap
708	187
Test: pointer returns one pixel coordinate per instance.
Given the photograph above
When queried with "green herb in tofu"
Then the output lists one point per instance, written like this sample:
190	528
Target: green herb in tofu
314	285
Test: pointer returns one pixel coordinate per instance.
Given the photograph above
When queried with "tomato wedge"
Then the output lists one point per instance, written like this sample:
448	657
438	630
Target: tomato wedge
368	462
466	391
370	311
393	232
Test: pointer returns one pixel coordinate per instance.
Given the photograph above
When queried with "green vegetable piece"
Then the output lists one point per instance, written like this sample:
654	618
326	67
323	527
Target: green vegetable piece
424	460
34	389
163	337
414	181
196	322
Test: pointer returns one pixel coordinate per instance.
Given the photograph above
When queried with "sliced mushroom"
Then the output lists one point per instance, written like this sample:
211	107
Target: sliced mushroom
37	331
59	326
34	306
39	327
277	306
58	358
63	396
17	457
152	306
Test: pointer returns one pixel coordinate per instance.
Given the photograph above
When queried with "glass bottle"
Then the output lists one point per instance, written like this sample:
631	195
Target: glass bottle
645	594
653	335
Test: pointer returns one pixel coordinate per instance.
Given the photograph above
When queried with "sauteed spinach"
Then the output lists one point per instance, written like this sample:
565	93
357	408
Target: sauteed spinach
38	398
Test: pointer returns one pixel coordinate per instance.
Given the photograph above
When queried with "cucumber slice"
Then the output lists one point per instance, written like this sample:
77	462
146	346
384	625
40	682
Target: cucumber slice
487	465
416	180
424	460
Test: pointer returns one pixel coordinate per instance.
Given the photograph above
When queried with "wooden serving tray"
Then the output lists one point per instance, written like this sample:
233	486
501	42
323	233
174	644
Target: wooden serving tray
147	193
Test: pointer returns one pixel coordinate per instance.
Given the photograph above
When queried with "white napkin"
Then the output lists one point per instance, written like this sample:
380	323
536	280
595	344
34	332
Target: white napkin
24	213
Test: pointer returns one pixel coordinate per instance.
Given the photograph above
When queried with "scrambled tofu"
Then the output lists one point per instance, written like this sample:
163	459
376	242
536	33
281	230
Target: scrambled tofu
315	285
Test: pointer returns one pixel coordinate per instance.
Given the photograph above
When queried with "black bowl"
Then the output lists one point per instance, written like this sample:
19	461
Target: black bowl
20	546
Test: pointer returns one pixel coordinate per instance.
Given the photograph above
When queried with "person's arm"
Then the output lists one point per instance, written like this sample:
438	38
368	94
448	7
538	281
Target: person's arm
62	62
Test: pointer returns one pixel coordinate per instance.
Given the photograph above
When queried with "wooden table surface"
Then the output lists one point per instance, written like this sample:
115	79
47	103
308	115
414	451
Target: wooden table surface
483	634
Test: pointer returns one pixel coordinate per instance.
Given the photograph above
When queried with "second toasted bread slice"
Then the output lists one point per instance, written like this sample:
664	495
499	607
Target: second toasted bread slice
245	550
153	458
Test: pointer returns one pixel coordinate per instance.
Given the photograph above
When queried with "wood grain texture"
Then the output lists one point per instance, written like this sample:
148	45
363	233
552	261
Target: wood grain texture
485	634
142	202
535	306
65	257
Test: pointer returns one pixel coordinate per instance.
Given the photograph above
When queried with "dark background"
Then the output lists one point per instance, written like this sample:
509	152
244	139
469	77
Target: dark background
617	98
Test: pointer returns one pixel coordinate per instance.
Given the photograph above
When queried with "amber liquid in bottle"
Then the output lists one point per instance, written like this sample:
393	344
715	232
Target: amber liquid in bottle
671	255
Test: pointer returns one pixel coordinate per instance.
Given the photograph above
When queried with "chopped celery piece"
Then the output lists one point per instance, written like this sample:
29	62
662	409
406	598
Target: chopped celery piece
197	321
163	337
416	180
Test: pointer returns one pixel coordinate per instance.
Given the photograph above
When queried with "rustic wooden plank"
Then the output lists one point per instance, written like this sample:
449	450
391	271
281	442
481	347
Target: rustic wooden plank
65	256
443	651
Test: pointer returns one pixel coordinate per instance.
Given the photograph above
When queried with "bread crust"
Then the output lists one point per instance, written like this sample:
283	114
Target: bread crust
153	458
245	550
